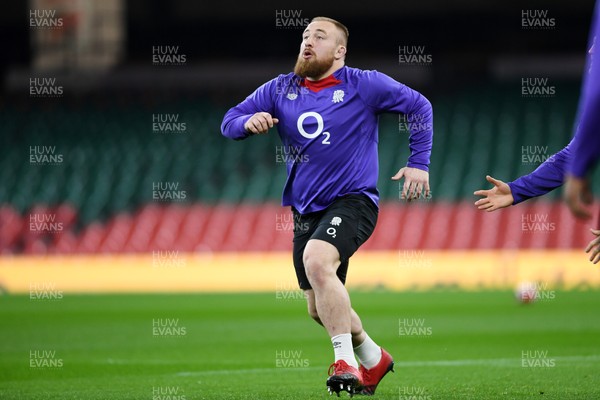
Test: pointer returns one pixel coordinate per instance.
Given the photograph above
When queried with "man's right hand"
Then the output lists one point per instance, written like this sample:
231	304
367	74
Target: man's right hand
260	123
594	247
499	196
577	194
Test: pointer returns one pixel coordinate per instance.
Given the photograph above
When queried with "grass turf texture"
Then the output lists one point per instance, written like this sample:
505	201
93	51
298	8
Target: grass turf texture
238	346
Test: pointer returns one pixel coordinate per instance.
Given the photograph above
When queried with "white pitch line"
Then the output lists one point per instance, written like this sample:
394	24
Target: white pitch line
435	363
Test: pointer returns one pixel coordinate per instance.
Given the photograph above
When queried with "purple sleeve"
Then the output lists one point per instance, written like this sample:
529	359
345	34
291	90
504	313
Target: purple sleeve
261	100
547	177
586	142
383	94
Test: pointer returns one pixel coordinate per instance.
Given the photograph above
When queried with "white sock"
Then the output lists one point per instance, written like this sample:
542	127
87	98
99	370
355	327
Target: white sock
368	353
342	347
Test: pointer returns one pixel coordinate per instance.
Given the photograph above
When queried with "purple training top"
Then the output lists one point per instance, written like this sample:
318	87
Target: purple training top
332	132
586	142
579	156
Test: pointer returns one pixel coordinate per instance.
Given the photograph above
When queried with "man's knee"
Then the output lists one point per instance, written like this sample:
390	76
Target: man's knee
321	260
317	270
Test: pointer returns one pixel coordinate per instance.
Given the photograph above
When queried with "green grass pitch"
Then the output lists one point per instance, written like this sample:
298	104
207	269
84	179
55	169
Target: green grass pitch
447	345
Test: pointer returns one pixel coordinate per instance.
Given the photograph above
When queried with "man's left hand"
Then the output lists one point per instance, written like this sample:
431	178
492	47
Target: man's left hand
416	183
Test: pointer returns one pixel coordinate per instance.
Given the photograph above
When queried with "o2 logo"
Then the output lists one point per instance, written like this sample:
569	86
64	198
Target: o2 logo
319	131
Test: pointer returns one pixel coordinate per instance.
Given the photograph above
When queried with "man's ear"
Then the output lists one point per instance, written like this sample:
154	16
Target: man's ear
340	52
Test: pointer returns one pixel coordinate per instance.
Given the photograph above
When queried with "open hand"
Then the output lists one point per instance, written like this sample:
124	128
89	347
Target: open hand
499	196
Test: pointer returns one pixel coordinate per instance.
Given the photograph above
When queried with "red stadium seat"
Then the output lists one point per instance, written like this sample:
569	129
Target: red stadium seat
116	234
11	229
65	243
91	238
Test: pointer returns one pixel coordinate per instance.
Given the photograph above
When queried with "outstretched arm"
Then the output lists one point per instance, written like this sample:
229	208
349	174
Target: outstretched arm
547	177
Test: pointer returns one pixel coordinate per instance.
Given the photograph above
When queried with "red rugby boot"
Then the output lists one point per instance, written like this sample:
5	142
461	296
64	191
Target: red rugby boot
344	377
372	377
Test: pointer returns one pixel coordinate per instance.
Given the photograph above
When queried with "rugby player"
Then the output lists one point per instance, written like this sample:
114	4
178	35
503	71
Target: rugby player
328	113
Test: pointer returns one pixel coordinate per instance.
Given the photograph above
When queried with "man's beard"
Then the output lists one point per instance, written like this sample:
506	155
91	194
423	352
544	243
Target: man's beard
313	67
